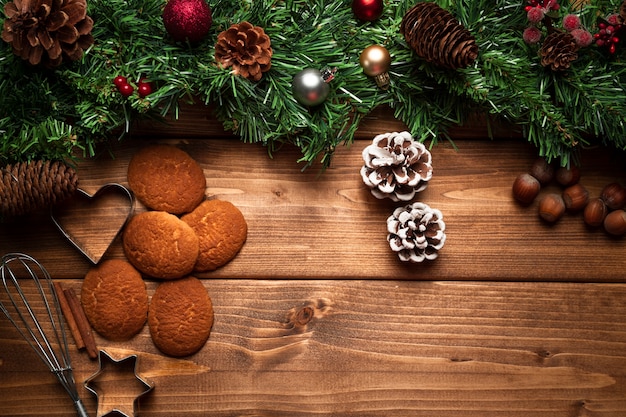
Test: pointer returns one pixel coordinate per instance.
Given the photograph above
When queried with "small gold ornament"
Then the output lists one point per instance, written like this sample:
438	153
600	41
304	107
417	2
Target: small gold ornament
375	61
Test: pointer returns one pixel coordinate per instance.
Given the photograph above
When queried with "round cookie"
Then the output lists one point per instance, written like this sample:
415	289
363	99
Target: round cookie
221	229
160	245
115	299
166	178
180	316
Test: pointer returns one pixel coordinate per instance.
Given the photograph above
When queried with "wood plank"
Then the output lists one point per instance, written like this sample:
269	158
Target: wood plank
369	348
318	225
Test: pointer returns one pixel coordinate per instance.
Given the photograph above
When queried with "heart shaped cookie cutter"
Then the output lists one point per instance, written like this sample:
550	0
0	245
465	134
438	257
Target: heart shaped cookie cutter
92	222
117	385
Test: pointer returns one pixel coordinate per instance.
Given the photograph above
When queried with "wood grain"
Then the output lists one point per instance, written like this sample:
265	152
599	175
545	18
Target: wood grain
369	348
326	225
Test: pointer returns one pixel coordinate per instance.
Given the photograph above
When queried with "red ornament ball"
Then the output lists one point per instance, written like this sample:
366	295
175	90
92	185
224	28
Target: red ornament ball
187	19
367	10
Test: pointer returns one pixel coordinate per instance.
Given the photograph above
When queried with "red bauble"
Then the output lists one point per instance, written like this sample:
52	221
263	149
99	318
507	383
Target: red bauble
368	10
144	89
187	19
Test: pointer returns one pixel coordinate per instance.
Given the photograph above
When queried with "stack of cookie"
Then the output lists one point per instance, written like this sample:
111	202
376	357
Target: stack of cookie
181	233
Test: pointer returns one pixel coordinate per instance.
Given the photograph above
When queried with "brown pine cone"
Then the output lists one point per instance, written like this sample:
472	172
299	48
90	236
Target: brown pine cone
416	232
47	30
622	11
396	166
30	186
246	48
558	51
436	36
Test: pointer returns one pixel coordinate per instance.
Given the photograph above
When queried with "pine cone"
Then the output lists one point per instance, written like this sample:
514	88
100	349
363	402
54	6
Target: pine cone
558	51
436	36
46	30
622	11
246	48
416	232
396	166
30	186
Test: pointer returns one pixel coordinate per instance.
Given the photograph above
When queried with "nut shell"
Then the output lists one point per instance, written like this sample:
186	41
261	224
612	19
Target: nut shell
567	176
575	197
526	188
615	223
542	170
614	195
551	207
595	212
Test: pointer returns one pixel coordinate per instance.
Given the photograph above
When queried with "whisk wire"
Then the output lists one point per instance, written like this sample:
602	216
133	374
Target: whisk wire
49	344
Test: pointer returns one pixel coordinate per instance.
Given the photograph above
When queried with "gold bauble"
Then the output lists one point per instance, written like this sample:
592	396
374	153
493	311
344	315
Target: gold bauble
375	61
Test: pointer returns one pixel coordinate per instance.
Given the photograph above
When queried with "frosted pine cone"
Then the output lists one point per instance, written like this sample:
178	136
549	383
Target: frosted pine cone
246	48
396	166
47	30
416	232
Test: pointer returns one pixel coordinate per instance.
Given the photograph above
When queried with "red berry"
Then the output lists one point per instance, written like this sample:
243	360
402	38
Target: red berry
126	89
119	81
144	89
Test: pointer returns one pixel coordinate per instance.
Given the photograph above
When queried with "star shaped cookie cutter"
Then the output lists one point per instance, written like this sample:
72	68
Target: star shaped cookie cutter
117	386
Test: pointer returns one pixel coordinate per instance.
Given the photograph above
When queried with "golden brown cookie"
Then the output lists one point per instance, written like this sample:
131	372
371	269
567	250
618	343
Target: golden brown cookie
166	178
180	316
160	245
115	299
221	229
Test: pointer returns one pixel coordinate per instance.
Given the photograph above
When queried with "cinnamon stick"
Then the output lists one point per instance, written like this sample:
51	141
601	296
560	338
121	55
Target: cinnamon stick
69	317
82	323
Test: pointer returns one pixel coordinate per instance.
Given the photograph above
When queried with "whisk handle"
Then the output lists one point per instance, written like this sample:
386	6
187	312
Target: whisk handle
80	408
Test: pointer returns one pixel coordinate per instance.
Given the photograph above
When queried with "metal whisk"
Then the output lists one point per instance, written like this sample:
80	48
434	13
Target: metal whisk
38	319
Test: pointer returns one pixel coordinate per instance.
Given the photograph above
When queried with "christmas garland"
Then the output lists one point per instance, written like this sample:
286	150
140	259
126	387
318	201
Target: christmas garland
122	64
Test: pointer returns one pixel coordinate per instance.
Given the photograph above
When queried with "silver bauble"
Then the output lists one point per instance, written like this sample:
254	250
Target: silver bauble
309	87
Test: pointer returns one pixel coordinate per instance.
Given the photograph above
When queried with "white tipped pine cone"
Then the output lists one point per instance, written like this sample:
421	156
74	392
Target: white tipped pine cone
416	232
396	166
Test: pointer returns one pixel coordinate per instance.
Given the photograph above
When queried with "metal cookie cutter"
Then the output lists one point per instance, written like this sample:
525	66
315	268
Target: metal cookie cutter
117	386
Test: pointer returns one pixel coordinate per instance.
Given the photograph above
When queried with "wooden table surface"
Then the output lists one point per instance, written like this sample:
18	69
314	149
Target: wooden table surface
317	317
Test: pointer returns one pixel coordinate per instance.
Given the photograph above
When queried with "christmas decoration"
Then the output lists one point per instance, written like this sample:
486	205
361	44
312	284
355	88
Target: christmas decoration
68	110
375	61
396	166
558	51
45	31
30	186
246	48
309	87
436	36
187	19
416	232
144	88
367	10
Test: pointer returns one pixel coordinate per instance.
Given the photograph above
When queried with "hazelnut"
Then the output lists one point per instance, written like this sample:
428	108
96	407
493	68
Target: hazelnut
575	197
542	170
614	195
551	207
595	212
615	222
526	188
567	176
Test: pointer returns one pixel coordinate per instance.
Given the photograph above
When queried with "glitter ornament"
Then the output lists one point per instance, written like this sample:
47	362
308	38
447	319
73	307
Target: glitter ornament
367	10
187	19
